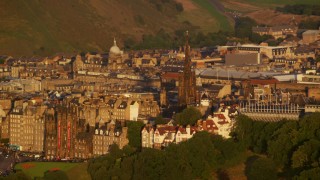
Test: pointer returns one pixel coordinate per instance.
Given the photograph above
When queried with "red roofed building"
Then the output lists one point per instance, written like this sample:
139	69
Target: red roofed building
208	125
170	76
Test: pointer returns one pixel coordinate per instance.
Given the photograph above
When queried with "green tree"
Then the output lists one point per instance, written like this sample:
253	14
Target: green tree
281	145
311	174
243	27
262	169
188	116
160	120
307	155
134	133
101	173
19	175
53	175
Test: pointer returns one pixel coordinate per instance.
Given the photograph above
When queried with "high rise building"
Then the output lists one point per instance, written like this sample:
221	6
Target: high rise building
187	79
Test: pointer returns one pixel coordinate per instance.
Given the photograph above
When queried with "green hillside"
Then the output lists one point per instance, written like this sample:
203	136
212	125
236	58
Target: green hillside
46	27
50	26
266	3
282	2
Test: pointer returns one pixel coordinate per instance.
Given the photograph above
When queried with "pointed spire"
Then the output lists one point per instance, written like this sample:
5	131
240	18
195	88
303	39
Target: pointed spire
187	38
114	41
187	46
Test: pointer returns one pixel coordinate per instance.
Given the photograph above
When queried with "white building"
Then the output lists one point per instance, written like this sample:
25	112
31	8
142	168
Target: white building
223	122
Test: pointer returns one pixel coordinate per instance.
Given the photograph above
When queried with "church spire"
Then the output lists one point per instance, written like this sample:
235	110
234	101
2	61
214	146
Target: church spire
114	41
187	47
187	38
187	85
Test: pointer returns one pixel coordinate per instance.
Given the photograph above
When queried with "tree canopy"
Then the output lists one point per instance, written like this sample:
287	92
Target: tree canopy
292	145
134	133
285	149
188	116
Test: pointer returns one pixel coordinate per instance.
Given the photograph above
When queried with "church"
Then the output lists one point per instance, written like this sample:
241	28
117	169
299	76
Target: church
187	80
116	60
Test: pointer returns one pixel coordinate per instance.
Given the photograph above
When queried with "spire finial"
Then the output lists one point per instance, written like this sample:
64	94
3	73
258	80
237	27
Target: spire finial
187	37
114	41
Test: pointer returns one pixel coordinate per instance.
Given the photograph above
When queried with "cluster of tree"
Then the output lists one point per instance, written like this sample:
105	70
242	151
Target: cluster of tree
162	4
193	159
300	9
164	40
16	176
243	30
134	133
292	145
188	116
48	175
309	24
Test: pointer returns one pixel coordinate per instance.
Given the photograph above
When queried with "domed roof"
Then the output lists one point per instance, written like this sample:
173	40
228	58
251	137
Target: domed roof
115	49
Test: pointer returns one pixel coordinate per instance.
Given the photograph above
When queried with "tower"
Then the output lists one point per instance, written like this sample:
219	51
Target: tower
163	97
187	79
115	57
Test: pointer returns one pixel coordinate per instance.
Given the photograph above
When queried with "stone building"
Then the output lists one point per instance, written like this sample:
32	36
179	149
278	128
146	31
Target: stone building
145	61
83	146
66	131
27	126
107	135
116	61
311	36
50	148
163	135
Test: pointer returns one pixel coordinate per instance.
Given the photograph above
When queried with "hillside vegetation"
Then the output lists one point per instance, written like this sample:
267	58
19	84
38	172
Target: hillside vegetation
46	27
258	150
50	26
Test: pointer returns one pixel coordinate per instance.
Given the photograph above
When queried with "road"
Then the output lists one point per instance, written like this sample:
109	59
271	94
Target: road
6	163
8	160
219	6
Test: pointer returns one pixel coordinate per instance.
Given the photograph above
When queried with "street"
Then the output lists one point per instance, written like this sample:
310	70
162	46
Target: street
6	162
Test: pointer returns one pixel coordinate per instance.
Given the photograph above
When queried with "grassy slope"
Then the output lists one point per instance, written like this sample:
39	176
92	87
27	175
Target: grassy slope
40	167
79	172
259	4
262	11
50	26
222	21
203	15
45	27
281	2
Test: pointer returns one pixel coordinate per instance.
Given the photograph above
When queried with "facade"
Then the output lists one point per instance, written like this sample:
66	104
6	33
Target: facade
311	36
163	135
108	135
27	127
145	61
270	52
66	132
50	148
272	112
277	31
242	59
